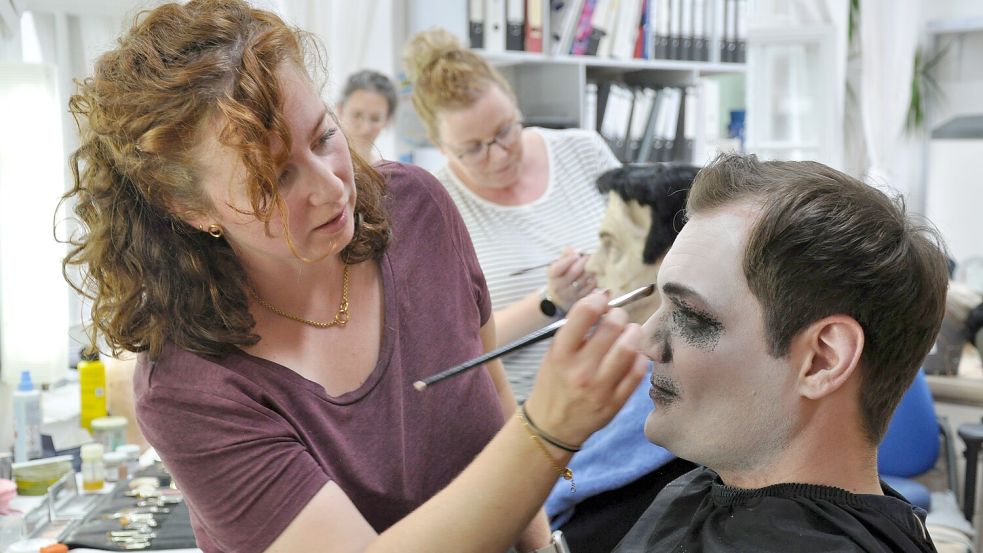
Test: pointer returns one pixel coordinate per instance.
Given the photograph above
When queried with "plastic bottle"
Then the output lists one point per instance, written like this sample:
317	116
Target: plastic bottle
92	385
27	420
93	471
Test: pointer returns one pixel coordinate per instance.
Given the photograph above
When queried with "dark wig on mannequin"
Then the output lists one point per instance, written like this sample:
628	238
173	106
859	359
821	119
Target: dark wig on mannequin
661	186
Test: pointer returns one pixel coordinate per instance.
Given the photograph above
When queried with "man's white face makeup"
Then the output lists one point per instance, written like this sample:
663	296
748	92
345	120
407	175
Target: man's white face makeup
720	398
617	264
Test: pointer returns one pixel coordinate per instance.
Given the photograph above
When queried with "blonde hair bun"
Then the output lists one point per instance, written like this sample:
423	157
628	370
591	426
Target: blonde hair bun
425	48
446	76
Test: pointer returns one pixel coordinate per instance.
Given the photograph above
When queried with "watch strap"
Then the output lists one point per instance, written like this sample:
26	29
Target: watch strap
548	306
557	544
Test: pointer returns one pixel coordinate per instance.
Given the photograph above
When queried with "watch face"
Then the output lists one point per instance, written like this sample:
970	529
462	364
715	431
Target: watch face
548	308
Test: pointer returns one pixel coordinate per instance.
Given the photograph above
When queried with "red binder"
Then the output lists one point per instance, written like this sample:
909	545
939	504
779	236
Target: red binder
534	26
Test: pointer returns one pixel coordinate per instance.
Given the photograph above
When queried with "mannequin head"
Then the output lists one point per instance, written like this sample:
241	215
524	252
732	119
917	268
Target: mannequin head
644	215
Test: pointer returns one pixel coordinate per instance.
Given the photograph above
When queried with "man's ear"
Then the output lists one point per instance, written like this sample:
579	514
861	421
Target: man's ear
827	353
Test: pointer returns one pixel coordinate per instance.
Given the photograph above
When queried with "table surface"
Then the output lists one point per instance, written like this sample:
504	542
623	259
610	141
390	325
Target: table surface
27	503
966	387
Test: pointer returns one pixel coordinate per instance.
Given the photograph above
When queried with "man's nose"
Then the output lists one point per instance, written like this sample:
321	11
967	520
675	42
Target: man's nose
655	339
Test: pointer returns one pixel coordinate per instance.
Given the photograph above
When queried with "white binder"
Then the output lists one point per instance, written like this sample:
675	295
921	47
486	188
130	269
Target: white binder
494	25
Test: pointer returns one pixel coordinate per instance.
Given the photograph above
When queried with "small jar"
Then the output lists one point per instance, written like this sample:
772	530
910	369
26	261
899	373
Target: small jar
109	431
132	452
93	471
115	465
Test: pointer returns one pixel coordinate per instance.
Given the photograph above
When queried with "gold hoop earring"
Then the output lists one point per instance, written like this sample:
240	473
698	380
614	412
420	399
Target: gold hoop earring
215	231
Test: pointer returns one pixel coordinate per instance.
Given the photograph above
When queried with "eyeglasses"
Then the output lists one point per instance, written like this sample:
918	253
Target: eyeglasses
477	154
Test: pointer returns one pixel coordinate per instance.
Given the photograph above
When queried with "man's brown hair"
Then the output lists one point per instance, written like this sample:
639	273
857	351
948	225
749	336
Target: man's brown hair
826	244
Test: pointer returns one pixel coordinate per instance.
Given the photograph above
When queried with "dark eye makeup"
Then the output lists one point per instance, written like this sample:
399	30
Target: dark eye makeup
698	328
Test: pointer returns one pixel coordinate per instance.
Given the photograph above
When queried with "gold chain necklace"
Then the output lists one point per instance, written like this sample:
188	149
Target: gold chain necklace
341	318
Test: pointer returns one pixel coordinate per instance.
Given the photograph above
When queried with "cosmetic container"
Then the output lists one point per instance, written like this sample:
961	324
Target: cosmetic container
27	420
92	387
93	470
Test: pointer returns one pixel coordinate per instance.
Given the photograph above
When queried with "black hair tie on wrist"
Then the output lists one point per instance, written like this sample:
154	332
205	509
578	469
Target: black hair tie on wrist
546	437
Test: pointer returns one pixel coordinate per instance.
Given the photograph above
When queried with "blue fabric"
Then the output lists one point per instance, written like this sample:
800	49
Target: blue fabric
911	444
612	457
916	493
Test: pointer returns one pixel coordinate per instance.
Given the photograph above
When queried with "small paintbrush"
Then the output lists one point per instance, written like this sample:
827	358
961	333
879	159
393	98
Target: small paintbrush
546	332
540	266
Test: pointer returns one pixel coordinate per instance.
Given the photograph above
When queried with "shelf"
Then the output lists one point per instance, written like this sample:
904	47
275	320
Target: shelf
955	26
507	58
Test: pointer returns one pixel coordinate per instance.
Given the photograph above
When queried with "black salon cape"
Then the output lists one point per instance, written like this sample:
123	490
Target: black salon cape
698	513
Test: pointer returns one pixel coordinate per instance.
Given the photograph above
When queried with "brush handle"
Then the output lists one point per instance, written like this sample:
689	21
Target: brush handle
538	336
544	265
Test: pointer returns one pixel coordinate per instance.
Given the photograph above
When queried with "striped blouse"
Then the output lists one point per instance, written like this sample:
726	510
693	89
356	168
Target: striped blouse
509	238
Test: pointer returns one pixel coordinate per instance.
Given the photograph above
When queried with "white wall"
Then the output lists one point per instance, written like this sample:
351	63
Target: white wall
954	191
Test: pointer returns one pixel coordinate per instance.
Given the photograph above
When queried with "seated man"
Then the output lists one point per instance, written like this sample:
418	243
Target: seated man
620	472
797	305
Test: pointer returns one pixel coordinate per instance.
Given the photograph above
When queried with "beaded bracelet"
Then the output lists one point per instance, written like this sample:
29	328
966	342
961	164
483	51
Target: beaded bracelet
546	437
563	471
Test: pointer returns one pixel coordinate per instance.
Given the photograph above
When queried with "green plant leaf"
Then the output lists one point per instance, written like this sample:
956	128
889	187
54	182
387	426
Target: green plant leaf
925	88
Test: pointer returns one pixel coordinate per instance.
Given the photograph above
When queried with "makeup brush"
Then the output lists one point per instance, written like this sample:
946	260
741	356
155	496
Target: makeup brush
546	332
541	266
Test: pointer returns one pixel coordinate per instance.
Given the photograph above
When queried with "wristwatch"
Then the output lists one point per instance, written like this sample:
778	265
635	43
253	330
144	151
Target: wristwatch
548	306
557	544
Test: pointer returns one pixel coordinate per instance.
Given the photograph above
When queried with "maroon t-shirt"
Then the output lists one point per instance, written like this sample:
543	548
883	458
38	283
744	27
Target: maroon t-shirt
250	442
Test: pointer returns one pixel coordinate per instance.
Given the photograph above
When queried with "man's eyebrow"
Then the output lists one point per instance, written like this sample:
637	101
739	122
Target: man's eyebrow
683	292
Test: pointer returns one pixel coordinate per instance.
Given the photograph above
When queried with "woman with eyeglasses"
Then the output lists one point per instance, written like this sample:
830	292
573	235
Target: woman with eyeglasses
527	195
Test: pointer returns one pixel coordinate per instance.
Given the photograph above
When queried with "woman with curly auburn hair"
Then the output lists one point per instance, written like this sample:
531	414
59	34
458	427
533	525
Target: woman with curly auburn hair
283	295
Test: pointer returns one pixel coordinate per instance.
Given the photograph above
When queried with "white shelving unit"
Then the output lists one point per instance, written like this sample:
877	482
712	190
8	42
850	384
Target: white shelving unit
944	194
551	89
